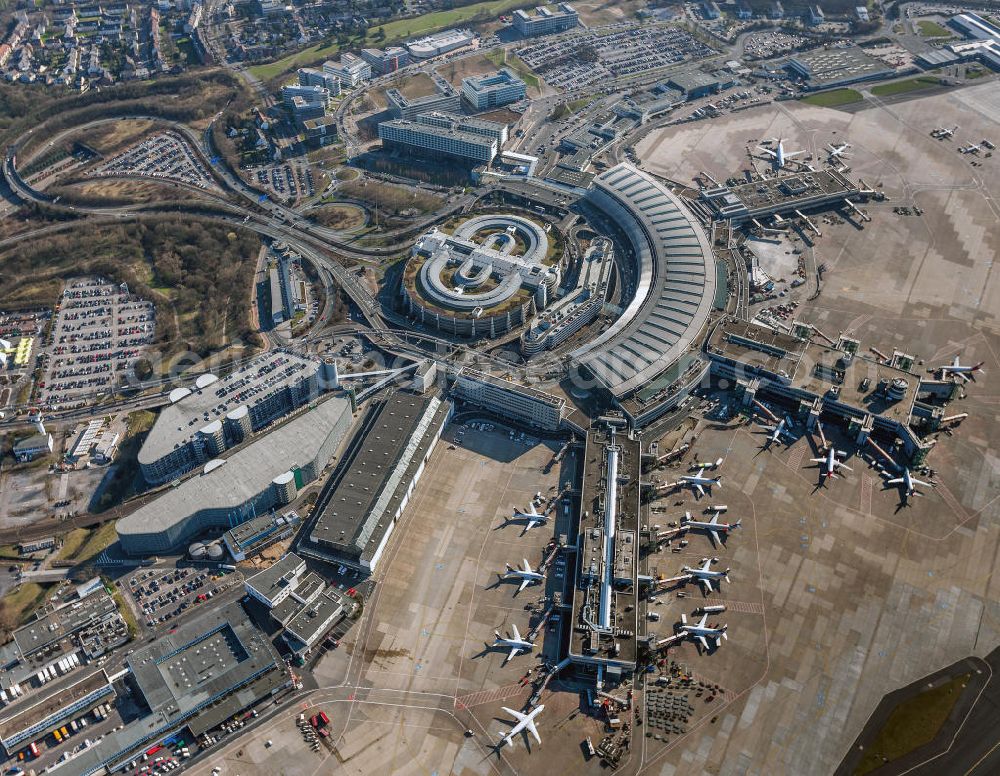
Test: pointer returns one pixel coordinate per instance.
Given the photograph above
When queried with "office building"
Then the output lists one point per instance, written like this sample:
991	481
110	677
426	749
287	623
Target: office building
440	135
384	61
261	476
50	627
487	92
302	111
320	131
351	70
445	99
256	535
214	414
312	95
365	496
545	21
439	43
309	76
522	404
273	585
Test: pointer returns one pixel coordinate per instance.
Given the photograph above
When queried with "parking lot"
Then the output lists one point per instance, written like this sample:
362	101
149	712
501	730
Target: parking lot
163	594
165	155
287	182
98	333
767	44
620	50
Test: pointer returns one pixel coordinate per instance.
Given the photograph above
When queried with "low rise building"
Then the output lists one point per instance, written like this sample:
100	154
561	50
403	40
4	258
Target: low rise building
488	92
33	447
545	21
445	99
274	584
520	403
258	534
364	498
439	43
320	131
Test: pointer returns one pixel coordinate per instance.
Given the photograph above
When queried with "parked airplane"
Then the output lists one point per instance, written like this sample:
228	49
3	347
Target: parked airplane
713	527
965	372
524	722
944	132
837	152
705	576
701	633
698	482
909	483
779	154
776	432
707	464
971	148
531	518
515	643
525	574
830	463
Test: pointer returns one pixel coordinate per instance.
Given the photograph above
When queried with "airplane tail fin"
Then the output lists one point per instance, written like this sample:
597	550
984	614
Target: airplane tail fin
726	576
738	523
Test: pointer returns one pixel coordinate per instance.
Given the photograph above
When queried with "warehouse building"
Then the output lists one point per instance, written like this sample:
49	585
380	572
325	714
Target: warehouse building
521	403
443	135
261	476
203	421
545	21
33	447
365	496
198	675
491	91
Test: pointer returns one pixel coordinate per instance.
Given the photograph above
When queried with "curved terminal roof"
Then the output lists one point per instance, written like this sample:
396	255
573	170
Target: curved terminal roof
212	465
179	393
675	286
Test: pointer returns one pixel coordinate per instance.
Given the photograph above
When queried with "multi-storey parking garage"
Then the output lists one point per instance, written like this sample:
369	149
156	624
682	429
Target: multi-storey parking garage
674	282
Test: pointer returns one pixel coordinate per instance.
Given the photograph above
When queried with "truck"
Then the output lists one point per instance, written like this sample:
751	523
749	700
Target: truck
33	748
323	718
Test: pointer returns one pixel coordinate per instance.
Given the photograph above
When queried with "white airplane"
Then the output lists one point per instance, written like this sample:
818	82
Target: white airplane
702	633
779	154
698	482
713	527
909	483
837	152
830	463
707	464
524	722
705	576
515	643
965	372
525	574
531	518
971	148
776	432
944	132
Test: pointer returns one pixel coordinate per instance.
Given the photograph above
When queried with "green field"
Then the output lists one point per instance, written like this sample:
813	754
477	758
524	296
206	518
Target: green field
912	724
502	58
833	98
931	29
394	31
902	87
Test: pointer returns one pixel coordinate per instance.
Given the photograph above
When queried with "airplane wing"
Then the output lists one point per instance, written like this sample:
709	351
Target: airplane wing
531	508
715	538
533	730
895	481
707	584
708	564
704	619
526	566
517	636
701	490
704	642
921	482
789	154
956	362
843	466
524	584
715	518
513	652
818	460
701	472
515	714
768	151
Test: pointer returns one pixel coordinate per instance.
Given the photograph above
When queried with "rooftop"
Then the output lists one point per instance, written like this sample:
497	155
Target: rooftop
281	574
315	617
361	494
53	626
212	398
244	474
675	282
